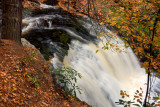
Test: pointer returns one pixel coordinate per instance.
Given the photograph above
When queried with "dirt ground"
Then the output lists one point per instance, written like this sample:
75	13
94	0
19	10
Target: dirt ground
25	80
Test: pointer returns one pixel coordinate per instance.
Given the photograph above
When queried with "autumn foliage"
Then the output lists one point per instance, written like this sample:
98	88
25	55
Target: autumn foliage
137	21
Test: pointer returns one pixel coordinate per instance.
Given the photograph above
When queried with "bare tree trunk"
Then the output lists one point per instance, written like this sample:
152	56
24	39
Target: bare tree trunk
11	20
151	54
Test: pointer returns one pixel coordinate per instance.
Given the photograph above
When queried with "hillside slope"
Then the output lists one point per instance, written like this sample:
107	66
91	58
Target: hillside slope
25	79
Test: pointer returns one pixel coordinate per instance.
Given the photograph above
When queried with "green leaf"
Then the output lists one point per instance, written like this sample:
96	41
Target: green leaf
137	105
137	91
14	88
155	98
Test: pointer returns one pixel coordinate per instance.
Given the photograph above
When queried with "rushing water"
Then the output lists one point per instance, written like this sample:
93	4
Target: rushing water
104	73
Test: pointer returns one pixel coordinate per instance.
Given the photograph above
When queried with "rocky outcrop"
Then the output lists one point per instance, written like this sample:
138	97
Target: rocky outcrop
51	2
35	1
26	43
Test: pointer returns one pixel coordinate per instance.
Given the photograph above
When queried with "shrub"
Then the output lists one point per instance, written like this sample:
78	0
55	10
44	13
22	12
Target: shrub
67	77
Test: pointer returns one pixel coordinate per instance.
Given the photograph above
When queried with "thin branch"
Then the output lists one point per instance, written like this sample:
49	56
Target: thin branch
151	53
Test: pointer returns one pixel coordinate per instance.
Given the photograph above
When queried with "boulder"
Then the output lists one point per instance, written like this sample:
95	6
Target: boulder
51	2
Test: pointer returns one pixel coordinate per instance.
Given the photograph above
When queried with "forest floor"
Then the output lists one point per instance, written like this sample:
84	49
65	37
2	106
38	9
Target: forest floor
25	79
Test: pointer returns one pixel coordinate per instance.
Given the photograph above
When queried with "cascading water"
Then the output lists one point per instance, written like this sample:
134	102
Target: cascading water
104	73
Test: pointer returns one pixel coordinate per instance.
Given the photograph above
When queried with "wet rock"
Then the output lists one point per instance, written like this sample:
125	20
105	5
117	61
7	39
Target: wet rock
51	2
34	1
28	44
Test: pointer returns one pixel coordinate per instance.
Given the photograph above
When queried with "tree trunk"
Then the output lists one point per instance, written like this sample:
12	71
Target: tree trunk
11	20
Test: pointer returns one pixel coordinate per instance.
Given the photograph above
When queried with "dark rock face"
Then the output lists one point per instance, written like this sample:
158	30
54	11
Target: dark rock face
48	2
51	2
34	1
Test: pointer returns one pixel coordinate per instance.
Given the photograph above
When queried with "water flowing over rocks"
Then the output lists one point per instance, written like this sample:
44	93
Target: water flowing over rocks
72	41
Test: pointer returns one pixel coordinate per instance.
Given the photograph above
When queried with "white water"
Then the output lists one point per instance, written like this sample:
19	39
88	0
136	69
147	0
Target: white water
104	73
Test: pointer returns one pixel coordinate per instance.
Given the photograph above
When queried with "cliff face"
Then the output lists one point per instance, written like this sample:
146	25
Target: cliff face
25	79
48	2
51	2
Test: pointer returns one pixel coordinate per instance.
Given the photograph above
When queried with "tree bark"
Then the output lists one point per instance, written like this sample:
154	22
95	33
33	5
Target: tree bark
11	20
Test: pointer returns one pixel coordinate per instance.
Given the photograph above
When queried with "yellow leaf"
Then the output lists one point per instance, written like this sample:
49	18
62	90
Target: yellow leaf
5	81
101	31
152	22
151	28
117	49
101	23
115	37
119	27
113	23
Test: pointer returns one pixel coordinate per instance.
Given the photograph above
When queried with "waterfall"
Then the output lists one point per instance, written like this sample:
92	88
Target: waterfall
104	73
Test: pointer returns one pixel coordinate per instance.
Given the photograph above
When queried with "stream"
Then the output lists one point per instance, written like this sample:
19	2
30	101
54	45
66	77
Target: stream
72	42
